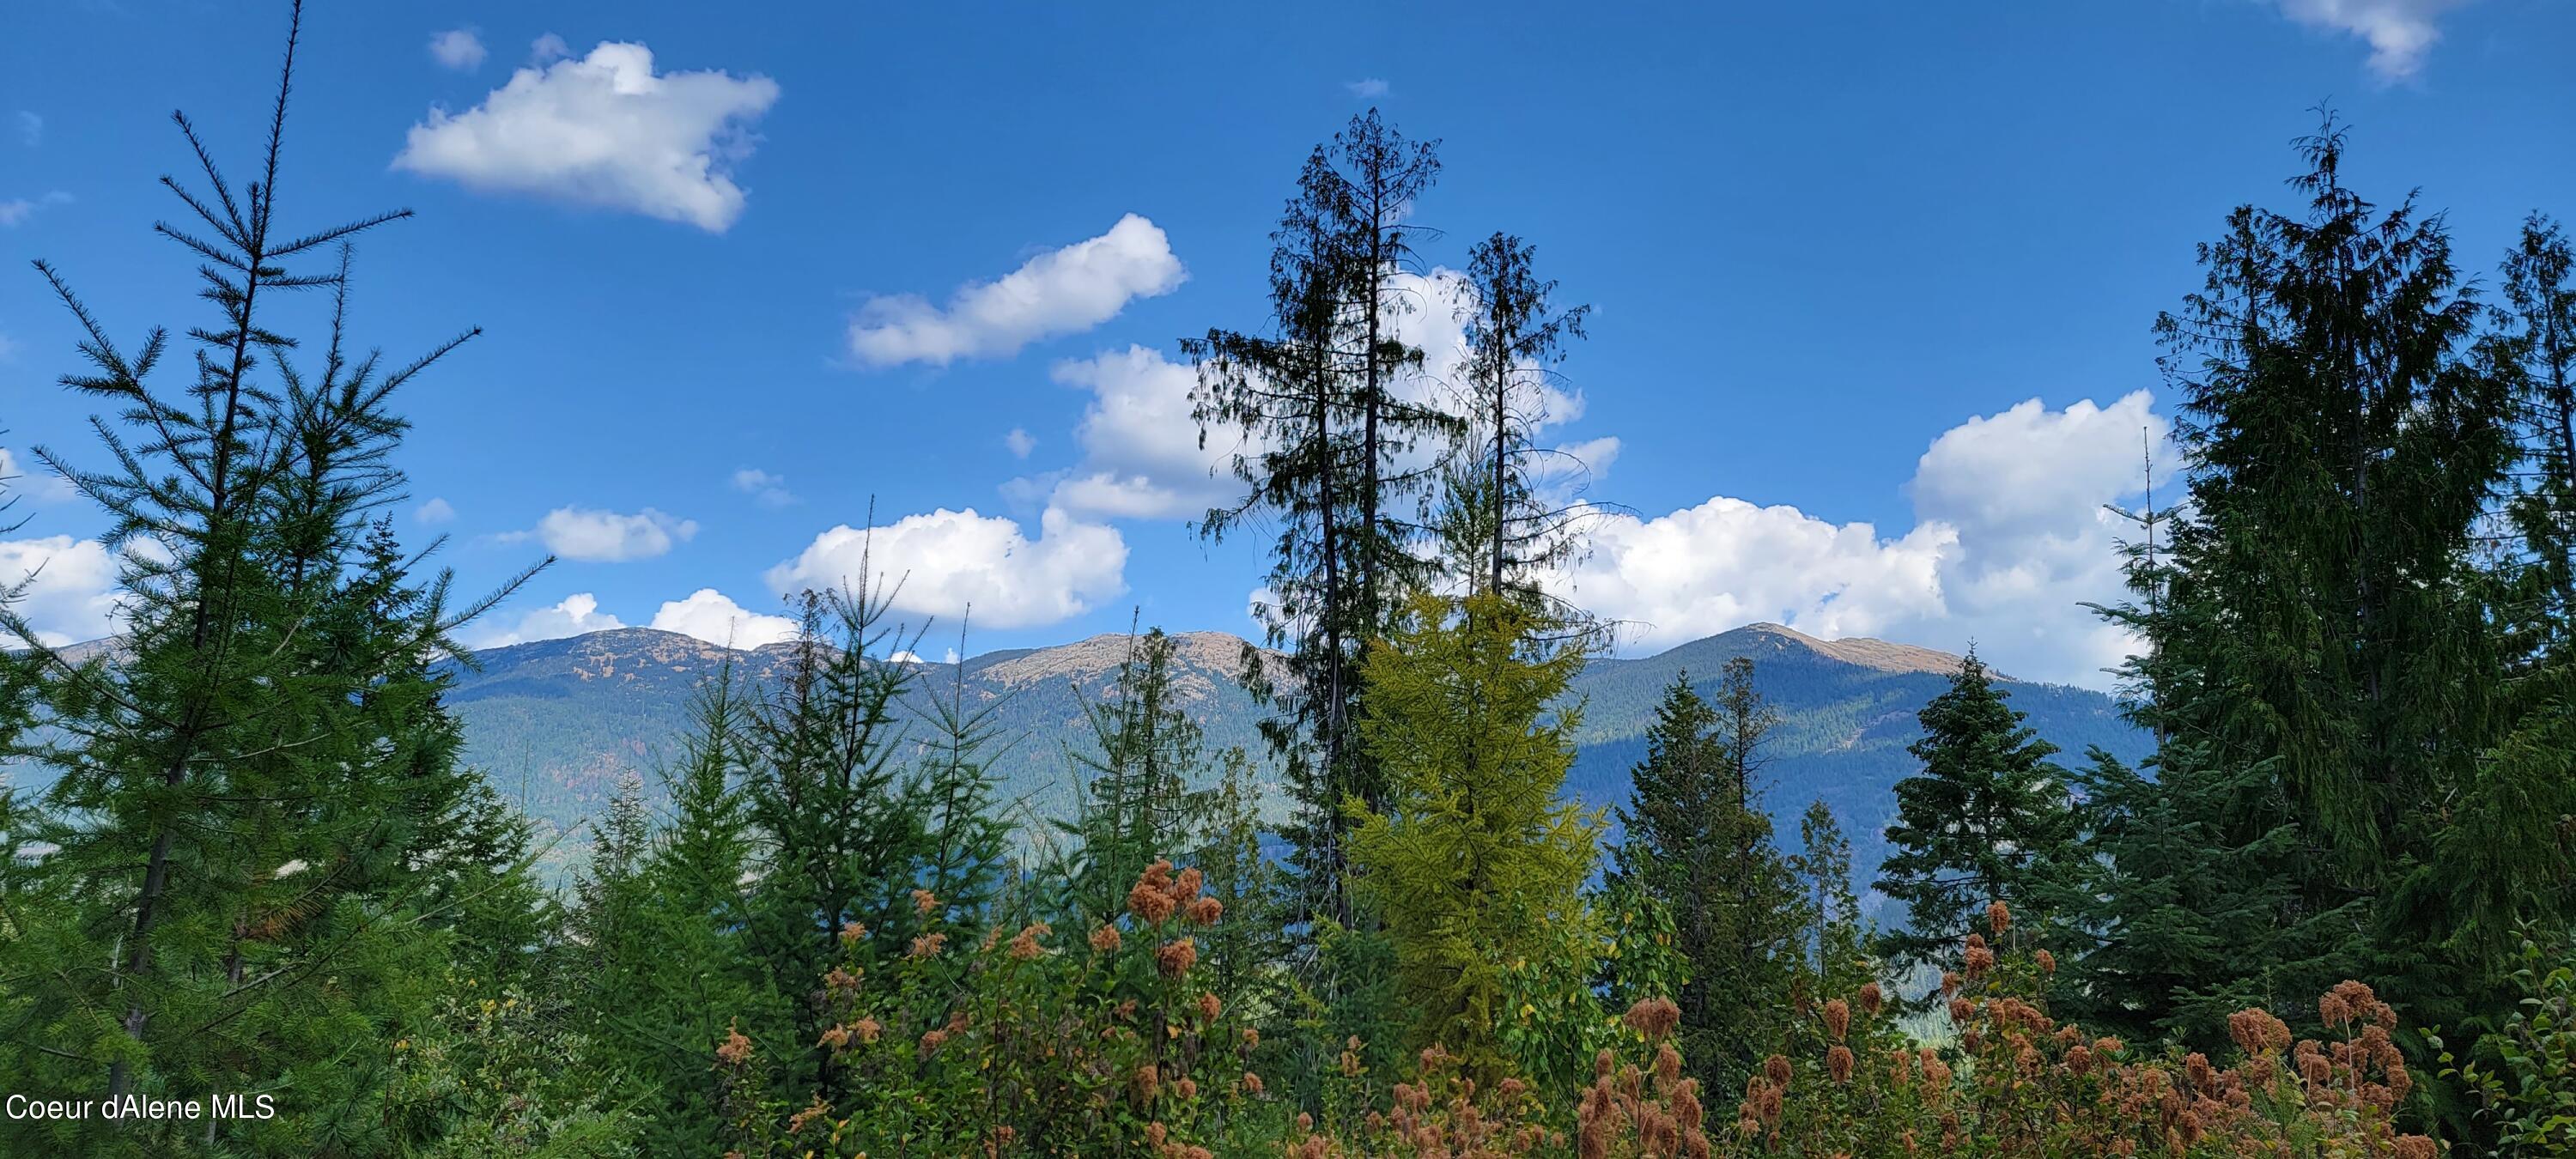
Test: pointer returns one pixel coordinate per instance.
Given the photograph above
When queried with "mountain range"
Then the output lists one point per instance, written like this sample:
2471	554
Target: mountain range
558	723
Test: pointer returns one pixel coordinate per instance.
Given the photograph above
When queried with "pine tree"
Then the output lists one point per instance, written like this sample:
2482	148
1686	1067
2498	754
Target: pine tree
1699	842
1834	934
1476	863
1989	819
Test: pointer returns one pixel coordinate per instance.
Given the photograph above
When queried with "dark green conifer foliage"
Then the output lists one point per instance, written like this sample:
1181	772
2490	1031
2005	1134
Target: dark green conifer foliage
249	879
1989	819
686	971
1699	842
842	831
970	857
1317	392
2323	659
1834	935
1141	799
1509	516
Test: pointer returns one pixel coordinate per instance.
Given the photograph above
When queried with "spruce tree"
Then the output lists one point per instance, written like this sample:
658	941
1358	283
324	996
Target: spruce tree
2323	659
1699	842
842	831
1834	935
1507	525
1989	819
238	889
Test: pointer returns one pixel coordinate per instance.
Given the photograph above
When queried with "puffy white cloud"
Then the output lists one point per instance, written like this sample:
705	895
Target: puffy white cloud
577	614
2400	32
434	512
2011	537
1141	452
947	561
66	587
770	490
607	536
603	130
711	616
2027	491
1726	563
15	211
1058	292
1367	90
1020	442
457	48
547	49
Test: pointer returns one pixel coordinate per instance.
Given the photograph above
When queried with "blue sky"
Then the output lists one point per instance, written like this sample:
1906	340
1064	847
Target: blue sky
1872	281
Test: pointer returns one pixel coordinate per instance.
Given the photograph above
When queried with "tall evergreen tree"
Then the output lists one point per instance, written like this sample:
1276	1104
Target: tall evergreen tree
1989	819
2322	662
2539	354
1318	394
1507	525
1698	841
247	829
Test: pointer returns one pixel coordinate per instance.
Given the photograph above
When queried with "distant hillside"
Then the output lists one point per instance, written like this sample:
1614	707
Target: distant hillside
557	723
1847	711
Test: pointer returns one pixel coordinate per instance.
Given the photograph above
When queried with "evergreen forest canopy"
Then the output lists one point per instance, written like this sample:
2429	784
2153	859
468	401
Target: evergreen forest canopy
2329	915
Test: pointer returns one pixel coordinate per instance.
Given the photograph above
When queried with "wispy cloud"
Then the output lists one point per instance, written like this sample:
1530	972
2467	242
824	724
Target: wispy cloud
16	211
458	48
2400	32
1367	90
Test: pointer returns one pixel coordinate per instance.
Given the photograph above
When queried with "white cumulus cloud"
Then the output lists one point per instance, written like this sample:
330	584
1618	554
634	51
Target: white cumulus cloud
434	512
604	130
576	614
457	48
947	561
66	587
1058	292
1141	457
607	536
1020	442
713	617
2011	537
2399	32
